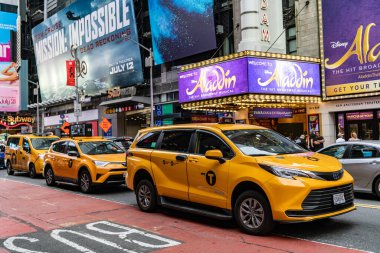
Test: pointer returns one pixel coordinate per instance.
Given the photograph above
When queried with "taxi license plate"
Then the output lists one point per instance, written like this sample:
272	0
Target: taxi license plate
339	198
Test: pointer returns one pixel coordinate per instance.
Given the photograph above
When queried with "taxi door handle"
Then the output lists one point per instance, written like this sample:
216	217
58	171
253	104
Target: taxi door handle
193	160
181	157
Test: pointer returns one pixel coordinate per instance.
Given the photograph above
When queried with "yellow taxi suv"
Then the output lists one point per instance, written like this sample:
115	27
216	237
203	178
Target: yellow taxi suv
85	161
226	171
25	153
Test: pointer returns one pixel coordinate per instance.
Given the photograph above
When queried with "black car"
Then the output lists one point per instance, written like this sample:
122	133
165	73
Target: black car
123	142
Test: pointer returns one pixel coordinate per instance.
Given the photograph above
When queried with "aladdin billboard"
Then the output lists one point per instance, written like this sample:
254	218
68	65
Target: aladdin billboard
9	79
105	34
250	75
351	52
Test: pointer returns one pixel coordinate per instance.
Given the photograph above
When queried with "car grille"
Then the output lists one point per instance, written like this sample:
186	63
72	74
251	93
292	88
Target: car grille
330	176
115	178
320	202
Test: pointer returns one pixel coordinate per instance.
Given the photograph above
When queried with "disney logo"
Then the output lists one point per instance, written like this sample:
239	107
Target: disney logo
214	79
336	44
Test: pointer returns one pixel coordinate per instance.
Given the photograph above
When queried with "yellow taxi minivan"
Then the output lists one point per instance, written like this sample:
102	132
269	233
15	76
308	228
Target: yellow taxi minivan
246	172
24	153
85	161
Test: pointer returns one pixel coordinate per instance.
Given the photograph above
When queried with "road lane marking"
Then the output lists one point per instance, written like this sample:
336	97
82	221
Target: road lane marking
124	203
367	206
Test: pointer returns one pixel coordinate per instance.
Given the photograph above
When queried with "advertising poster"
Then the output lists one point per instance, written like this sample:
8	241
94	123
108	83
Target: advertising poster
9	79
221	80
313	121
352	64
105	34
181	28
269	76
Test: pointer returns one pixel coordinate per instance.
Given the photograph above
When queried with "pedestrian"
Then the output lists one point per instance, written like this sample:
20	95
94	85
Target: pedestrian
354	136
302	141
318	141
340	138
311	140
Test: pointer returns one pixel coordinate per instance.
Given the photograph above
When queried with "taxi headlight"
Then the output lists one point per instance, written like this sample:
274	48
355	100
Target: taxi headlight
288	173
101	163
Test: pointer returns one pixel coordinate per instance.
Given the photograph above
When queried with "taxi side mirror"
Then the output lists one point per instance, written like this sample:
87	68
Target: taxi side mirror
215	154
73	154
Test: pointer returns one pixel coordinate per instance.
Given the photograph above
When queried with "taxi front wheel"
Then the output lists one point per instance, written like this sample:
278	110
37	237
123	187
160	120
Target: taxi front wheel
146	196
253	214
9	169
85	182
49	176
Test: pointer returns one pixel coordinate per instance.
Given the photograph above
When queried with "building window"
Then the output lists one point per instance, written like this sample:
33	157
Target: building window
291	41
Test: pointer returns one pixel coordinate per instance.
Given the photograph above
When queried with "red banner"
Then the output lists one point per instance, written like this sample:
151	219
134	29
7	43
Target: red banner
70	71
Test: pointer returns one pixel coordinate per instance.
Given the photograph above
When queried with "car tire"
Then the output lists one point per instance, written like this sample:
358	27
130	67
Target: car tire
9	169
376	187
32	171
253	214
85	182
146	196
49	176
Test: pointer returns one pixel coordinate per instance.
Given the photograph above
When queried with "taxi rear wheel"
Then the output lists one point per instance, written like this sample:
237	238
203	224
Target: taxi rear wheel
9	169
253	214
49	176
85	182
376	187
32	171
146	196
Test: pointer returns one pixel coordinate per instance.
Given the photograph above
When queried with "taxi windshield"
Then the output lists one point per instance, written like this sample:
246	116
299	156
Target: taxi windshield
99	148
262	142
42	143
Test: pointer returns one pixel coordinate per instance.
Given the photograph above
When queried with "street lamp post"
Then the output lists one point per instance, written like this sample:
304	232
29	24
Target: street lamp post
38	104
76	84
151	79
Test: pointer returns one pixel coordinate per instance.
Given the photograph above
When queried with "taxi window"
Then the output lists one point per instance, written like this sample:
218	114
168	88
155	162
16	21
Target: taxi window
149	140
42	143
71	147
13	142
206	142
60	147
99	148
177	141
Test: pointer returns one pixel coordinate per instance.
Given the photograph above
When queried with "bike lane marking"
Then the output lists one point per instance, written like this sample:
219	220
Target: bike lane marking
49	208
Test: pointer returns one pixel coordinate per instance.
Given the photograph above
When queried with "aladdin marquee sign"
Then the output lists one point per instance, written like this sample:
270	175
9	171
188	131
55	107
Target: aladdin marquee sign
351	52
250	75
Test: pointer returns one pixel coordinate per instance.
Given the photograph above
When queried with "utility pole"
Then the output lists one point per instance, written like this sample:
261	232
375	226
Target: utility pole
37	89
77	72
151	88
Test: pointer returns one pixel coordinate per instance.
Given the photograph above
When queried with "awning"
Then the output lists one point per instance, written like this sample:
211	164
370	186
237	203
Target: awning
137	99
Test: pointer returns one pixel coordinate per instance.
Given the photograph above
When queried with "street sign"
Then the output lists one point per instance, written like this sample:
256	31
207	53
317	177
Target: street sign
105	125
158	110
66	127
62	116
77	109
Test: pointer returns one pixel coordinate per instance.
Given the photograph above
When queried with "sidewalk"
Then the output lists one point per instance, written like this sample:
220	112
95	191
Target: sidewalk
50	220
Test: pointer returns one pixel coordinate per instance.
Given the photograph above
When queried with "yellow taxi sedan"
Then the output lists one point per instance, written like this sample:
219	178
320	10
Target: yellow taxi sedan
86	161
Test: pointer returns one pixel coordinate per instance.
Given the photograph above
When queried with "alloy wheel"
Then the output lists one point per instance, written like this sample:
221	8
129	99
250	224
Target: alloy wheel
252	213
145	196
84	182
49	176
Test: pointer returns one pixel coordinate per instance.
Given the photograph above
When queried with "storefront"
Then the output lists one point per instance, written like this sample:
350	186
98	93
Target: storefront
14	123
54	123
361	116
267	89
126	114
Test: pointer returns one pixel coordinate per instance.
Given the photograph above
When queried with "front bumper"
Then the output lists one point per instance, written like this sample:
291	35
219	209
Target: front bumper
308	199
112	176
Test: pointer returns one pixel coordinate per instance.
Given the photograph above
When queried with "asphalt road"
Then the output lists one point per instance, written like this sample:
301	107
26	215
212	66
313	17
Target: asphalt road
358	229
